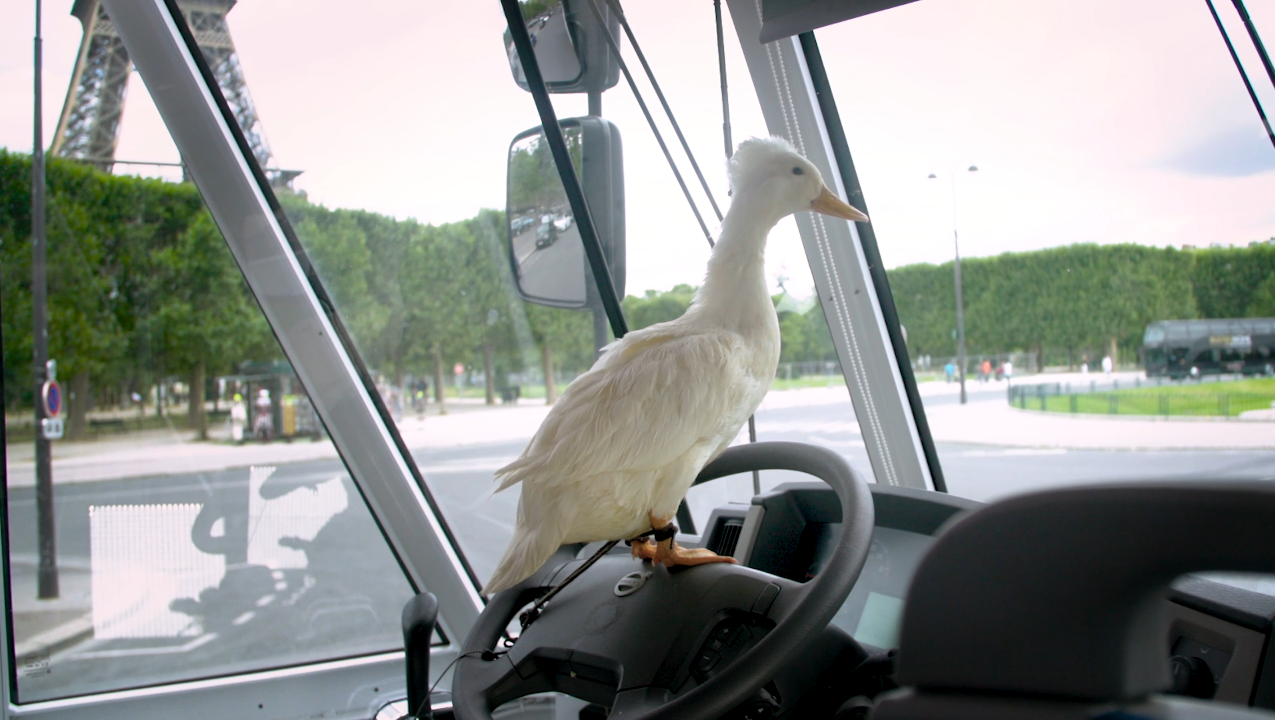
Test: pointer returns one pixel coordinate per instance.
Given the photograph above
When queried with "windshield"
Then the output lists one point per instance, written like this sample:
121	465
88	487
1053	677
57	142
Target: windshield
1100	181
1096	177
401	208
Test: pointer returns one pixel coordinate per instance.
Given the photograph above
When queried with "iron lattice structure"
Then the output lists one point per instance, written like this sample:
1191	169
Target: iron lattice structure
88	129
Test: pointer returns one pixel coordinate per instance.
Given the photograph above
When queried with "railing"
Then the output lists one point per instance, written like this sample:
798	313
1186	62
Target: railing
793	370
1051	397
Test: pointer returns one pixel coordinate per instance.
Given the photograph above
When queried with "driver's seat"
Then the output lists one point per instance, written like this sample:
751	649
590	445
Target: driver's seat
1052	605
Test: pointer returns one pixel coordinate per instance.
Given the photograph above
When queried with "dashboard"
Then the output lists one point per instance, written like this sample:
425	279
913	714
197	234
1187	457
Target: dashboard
1218	635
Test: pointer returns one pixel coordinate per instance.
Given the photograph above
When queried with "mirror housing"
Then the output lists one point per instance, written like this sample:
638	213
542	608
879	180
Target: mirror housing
571	47
546	252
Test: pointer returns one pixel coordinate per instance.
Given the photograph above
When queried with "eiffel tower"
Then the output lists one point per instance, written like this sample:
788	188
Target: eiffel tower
88	129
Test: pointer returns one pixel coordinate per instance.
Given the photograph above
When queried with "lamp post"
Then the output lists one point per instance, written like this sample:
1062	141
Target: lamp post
960	303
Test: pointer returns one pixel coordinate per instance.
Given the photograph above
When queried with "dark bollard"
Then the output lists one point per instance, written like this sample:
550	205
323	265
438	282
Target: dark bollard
419	616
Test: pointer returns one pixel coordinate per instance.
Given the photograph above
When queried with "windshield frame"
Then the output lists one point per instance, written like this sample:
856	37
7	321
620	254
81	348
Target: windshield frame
840	265
235	189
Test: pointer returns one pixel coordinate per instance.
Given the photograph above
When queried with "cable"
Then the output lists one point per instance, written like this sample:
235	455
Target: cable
530	616
1257	39
615	49
1243	75
487	655
624	23
721	65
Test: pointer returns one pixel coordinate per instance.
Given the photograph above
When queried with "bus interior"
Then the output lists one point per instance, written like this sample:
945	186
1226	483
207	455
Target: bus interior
317	547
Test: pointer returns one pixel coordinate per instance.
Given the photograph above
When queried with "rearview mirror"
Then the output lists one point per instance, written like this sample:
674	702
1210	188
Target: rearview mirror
545	248
571	48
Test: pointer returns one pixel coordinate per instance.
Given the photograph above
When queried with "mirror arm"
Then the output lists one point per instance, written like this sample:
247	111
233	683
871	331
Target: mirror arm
570	182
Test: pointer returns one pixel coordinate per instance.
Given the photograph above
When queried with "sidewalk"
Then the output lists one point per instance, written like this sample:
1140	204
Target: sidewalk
994	422
986	419
172	452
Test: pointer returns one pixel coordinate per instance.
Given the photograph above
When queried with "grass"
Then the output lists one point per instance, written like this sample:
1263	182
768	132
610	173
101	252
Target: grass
1182	400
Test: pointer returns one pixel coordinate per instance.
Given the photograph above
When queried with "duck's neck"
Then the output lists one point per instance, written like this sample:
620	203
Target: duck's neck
734	293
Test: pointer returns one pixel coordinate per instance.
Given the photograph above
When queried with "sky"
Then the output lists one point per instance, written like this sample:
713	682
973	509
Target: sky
1089	121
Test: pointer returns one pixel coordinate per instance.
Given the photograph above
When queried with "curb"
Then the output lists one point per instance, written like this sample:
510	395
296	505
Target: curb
54	639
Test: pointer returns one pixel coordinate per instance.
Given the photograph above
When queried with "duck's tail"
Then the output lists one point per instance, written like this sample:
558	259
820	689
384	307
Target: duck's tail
530	548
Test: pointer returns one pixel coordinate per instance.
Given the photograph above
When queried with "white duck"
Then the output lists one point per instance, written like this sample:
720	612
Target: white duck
616	455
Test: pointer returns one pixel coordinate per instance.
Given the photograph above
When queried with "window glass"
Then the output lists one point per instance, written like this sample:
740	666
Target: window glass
1100	177
401	207
202	523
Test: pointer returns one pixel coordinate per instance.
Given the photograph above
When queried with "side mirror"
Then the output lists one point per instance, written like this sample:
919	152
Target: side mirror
545	249
571	48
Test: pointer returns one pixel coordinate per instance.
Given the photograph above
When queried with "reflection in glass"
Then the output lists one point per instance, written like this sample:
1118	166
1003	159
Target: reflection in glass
551	37
204	523
545	239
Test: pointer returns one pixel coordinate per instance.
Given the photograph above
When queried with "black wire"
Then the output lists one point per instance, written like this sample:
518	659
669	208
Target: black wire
615	49
530	616
1243	75
628	31
1257	39
827	107
566	169
487	655
721	64
730	149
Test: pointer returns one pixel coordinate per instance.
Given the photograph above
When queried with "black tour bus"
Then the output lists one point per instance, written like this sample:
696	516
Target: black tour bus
1190	348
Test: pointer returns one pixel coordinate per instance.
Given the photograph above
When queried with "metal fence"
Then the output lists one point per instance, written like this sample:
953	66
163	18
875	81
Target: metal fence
1052	397
791	370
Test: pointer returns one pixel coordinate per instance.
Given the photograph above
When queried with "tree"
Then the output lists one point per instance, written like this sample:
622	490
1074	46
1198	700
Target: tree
210	320
564	335
657	307
1263	303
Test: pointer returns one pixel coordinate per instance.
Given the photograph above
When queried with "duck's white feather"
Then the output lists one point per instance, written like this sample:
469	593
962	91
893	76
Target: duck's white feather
628	437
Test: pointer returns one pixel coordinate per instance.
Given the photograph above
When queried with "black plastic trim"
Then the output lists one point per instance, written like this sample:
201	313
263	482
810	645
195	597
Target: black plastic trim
1235	605
570	183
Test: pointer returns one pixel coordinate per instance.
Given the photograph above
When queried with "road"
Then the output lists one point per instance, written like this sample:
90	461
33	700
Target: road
555	271
288	567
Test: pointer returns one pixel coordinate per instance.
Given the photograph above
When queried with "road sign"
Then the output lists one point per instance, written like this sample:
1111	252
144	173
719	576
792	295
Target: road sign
51	428
459	369
52	395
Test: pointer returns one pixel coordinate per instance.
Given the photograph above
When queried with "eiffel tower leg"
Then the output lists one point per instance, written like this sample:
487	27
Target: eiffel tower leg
89	125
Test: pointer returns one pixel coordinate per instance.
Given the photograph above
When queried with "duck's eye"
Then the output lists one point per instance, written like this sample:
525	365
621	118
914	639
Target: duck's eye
798	171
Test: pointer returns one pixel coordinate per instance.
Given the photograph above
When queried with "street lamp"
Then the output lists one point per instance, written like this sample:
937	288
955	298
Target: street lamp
960	303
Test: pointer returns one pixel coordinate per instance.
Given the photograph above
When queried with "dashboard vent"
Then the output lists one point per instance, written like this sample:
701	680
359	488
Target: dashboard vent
726	536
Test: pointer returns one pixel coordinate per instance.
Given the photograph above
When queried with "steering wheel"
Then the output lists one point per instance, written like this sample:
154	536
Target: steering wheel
641	650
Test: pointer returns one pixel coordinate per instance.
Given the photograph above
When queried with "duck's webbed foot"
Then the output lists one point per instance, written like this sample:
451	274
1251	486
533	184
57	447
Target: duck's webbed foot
662	549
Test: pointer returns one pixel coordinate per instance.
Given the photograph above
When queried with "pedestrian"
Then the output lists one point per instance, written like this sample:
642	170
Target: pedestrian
1106	365
949	370
986	370
238	419
1009	370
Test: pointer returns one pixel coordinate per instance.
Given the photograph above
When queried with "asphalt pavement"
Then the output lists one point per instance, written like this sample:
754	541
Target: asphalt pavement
287	566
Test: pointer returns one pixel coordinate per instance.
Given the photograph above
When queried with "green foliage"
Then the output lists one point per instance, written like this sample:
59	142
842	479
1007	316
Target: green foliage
1074	298
804	335
1187	399
142	288
657	307
140	285
1263	304
1225	278
534	183
568	333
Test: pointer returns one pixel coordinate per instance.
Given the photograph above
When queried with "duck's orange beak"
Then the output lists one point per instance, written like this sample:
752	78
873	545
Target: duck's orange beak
830	204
